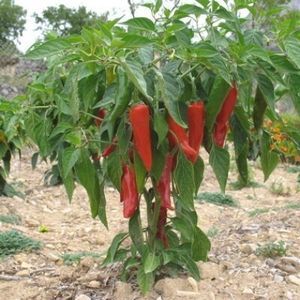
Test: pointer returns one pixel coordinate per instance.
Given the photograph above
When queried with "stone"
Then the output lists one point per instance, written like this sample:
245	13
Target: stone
209	270
23	273
277	278
294	279
248	248
87	262
193	283
82	297
247	292
94	284
168	287
25	265
123	291
292	261
66	273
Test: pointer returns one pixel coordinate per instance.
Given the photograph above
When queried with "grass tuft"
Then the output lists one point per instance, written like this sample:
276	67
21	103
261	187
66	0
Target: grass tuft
212	232
12	242
238	185
258	211
217	199
10	219
272	249
75	257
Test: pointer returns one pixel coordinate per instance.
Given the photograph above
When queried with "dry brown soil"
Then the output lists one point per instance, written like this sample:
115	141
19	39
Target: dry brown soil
234	271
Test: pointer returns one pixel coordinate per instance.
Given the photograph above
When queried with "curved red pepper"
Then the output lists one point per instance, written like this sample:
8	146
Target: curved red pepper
101	114
196	122
178	136
139	116
221	126
162	220
163	186
129	193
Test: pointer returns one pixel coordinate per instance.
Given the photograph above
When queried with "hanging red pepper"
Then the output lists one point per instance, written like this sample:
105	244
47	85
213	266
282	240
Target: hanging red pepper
101	114
129	193
162	220
178	136
163	186
196	122
221	126
139	116
108	150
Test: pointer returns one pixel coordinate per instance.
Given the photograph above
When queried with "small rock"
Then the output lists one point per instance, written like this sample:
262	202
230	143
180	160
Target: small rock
23	273
270	262
82	297
248	248
277	278
50	246
291	260
53	257
168	287
209	270
32	223
66	273
193	283
289	295
247	292
25	265
123	291
94	284
87	262
294	279
287	268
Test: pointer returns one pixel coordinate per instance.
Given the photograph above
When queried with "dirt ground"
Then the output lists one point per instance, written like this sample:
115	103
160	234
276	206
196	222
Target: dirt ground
234	271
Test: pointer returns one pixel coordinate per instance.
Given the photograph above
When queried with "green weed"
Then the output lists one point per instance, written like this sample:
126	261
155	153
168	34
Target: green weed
75	257
238	185
293	169
217	199
258	211
10	219
212	232
12	242
278	188
272	249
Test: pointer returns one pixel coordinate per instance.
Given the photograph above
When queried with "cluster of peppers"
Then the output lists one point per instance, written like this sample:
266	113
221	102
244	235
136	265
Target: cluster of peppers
188	140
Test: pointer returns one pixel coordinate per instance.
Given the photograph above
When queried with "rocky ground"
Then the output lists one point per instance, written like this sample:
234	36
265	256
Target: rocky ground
266	213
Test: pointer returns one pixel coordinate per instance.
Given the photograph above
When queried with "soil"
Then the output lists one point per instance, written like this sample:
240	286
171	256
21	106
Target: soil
234	270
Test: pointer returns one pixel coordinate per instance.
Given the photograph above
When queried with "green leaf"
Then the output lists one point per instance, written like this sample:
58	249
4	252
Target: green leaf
152	262
146	54
268	158
170	88
112	250
140	172
198	173
184	179
34	159
185	227
158	164
141	24
190	265
135	41
258	52
145	281
282	63
216	98
70	156
158	5
259	109
160	126
292	46
136	232
48	48
294	90
200	246
114	169
135	73
219	160
267	89
190	9
204	49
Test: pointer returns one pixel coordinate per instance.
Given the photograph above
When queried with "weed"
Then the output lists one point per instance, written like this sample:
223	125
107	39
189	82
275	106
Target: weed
217	198
293	205
238	185
272	249
75	257
212	232
43	228
277	188
258	211
293	169
10	219
12	242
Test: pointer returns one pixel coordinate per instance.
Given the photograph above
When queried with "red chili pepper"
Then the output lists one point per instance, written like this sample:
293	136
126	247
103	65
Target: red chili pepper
129	194
163	186
139	117
110	149
162	220
101	114
178	136
221	126
196	124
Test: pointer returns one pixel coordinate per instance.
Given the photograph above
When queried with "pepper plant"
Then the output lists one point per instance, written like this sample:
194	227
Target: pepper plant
130	102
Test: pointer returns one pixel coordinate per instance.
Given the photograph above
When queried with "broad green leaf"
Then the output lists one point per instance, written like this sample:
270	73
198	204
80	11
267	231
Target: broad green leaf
141	24
146	54
135	73
198	173
160	126
258	52
70	156
190	266
268	158
114	169
111	252
292	46
157	164
145	281
158	5
48	48
152	262
204	49
184	227
135	41
190	9
200	246
219	160
136	232
282	63
259	109
140	172
216	98
267	89
184	179
294	90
